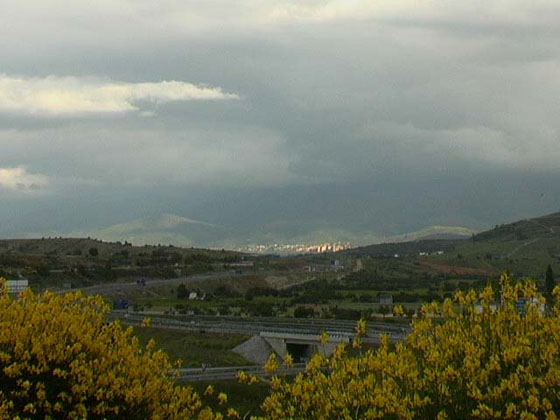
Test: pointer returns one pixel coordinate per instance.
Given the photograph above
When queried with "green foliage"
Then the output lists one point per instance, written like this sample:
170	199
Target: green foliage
464	359
304	312
182	291
59	358
194	348
549	282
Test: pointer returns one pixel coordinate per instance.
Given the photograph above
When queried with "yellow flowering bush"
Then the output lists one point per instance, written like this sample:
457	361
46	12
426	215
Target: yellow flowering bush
59	358
466	358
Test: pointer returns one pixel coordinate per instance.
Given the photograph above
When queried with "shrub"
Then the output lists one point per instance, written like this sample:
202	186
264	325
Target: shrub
461	361
304	312
59	358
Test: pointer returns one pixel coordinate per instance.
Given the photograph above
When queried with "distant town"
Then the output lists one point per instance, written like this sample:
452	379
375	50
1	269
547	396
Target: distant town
291	249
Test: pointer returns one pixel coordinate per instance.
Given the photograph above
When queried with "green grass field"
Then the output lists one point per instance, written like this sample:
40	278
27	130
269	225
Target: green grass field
194	348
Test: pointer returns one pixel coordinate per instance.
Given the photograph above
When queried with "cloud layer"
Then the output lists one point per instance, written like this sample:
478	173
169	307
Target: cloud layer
18	179
85	154
370	94
71	96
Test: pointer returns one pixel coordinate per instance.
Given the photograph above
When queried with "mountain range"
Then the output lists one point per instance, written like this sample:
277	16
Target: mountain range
186	232
235	218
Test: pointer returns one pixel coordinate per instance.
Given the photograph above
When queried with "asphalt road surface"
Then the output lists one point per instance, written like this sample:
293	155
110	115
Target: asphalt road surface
221	373
254	326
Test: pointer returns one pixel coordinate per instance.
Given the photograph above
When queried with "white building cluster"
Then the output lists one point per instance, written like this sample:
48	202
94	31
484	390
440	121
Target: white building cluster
16	287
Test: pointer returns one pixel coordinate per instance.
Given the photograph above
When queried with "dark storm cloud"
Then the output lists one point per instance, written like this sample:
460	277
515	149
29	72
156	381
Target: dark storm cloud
327	93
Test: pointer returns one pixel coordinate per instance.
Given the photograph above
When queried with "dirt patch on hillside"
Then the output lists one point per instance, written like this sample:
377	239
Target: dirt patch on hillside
237	284
459	271
284	282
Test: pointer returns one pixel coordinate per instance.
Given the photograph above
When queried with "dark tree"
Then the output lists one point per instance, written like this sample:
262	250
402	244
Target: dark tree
93	252
304	312
182	292
384	310
549	282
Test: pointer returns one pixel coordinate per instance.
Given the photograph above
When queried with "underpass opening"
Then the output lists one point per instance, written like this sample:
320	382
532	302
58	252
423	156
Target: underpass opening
300	352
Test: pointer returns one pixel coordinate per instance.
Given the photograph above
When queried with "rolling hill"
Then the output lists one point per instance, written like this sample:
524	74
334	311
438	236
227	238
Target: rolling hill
182	231
525	248
539	227
161	229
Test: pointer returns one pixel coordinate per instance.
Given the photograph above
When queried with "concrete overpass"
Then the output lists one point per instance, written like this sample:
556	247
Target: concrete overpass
256	325
302	346
299	337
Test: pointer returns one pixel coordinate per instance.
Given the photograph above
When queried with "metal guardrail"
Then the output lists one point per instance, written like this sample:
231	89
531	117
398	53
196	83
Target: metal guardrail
224	372
228	326
314	322
336	336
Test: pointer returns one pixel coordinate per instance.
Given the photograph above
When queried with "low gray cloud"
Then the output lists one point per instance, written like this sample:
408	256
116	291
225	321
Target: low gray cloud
88	154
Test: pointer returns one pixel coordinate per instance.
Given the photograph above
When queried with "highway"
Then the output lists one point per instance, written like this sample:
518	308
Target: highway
254	326
306	329
221	373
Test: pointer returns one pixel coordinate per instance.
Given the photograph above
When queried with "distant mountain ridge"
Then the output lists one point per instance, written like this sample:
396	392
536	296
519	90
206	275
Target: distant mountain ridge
518	239
373	211
168	229
179	230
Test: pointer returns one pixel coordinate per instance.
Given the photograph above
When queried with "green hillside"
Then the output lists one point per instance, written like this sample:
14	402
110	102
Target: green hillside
524	247
76	247
87	261
540	227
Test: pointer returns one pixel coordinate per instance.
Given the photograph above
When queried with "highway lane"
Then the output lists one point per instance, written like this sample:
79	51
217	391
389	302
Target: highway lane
313	323
277	321
254	326
222	373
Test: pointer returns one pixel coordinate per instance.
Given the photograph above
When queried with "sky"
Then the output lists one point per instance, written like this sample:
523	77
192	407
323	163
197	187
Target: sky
279	119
